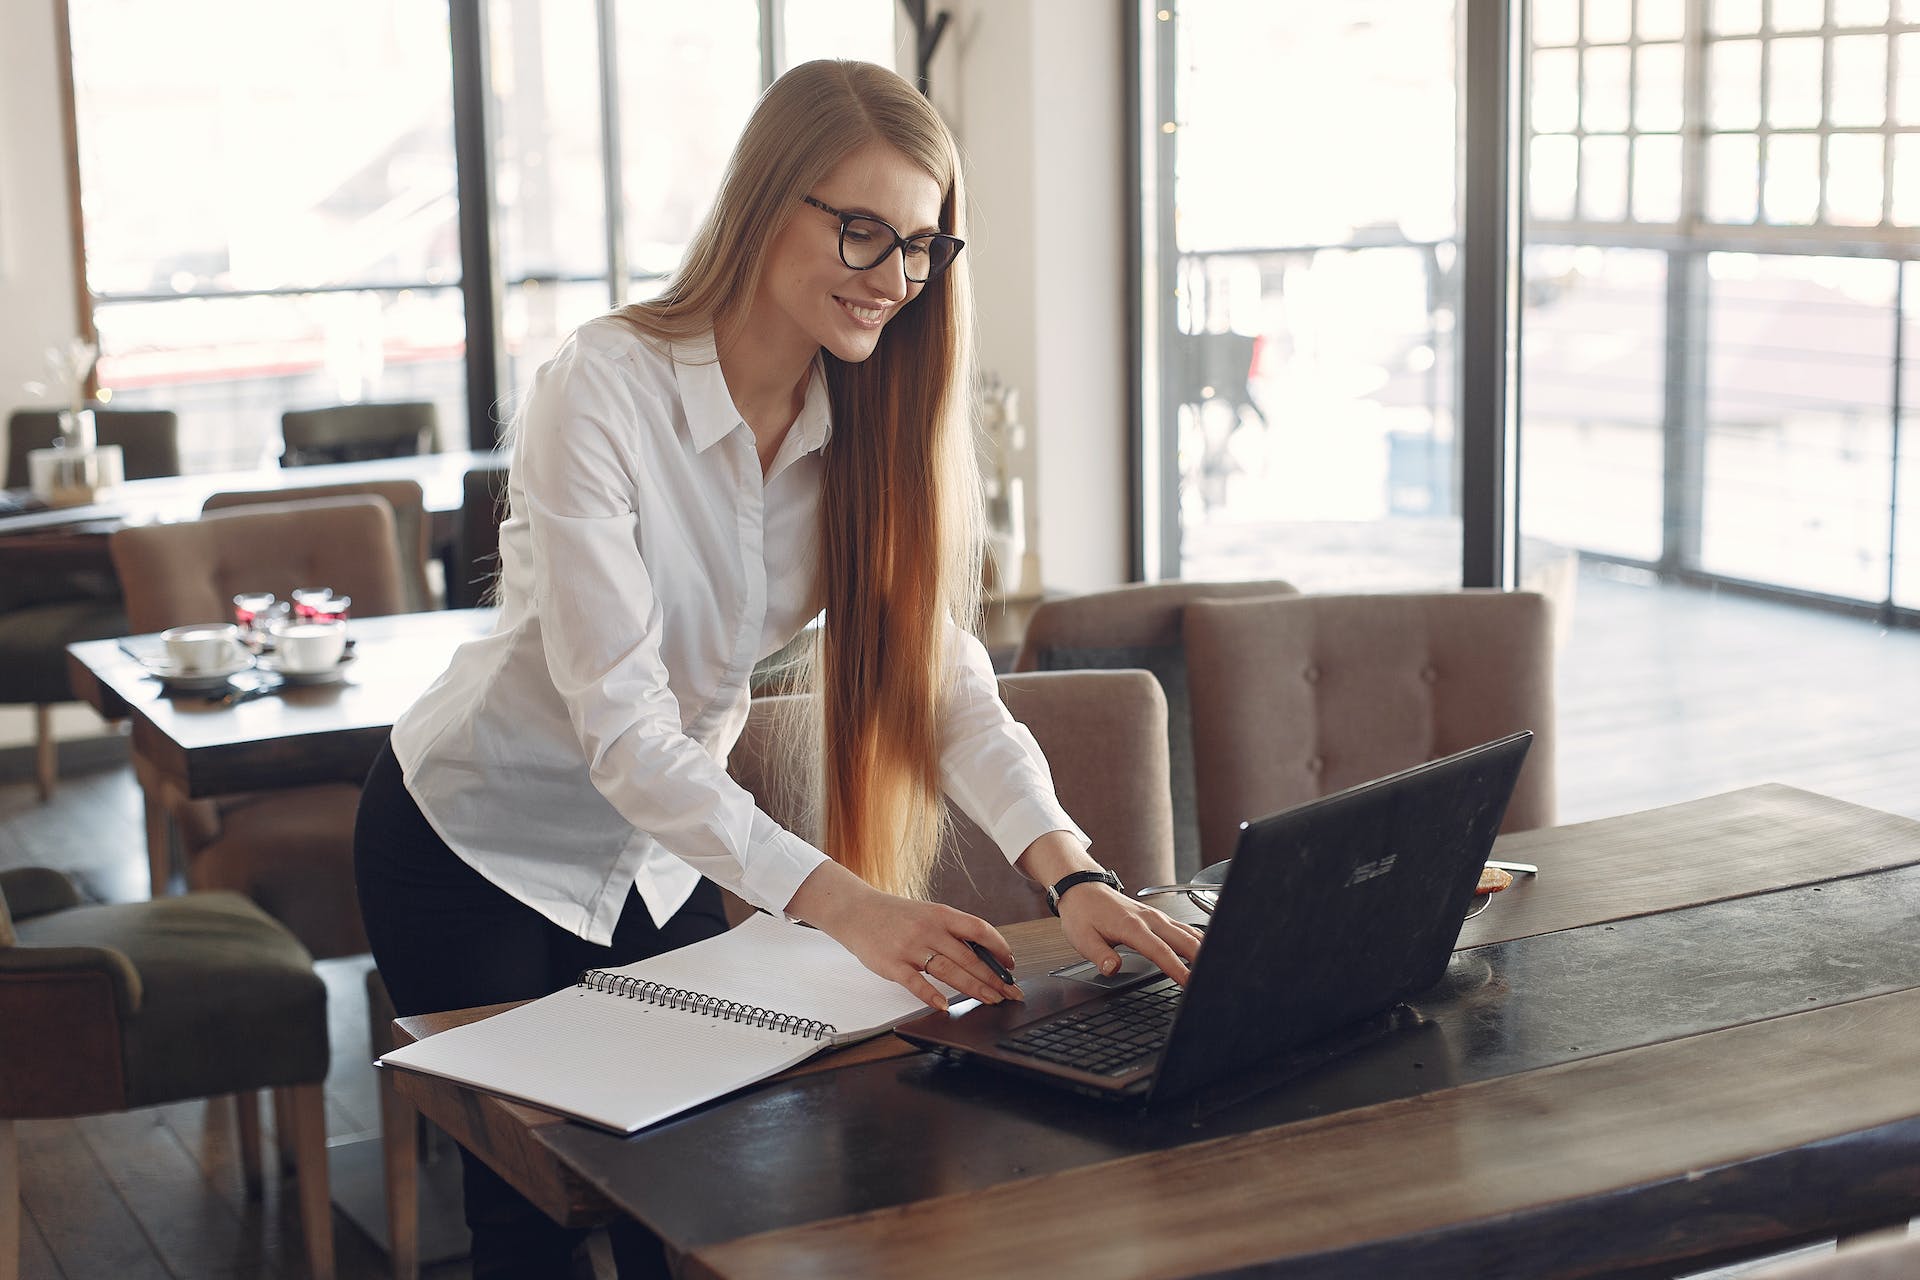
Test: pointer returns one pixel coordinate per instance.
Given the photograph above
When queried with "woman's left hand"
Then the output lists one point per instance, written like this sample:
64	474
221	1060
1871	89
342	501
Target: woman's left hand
1097	918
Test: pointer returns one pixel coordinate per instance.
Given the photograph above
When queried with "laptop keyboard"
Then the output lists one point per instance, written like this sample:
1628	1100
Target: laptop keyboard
1108	1038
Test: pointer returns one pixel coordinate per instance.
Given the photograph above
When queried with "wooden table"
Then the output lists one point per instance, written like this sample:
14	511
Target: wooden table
300	735
76	537
1729	1105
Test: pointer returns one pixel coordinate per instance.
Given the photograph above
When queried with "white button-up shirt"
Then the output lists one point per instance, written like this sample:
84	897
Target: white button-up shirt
646	566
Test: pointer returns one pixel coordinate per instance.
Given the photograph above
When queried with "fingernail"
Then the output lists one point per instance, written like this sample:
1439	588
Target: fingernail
1108	966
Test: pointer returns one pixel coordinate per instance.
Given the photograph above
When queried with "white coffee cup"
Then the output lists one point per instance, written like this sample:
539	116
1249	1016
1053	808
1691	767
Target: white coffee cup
308	648
204	646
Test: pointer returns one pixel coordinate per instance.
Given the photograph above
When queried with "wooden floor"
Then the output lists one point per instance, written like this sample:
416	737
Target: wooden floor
1665	694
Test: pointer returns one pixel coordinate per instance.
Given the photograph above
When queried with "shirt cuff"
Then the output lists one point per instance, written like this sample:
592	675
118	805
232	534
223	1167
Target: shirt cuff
1028	820
780	862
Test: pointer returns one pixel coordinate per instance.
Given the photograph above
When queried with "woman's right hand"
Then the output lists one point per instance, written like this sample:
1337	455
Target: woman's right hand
903	940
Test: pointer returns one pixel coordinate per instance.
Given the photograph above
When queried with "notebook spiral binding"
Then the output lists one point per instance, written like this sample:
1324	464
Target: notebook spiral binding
632	988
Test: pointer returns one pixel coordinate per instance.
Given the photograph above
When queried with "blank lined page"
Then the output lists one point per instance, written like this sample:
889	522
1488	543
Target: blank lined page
617	1062
624	1062
776	965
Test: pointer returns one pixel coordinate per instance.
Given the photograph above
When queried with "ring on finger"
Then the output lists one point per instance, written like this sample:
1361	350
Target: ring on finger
928	963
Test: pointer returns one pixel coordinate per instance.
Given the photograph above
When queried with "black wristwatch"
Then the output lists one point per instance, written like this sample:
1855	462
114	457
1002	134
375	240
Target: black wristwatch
1081	877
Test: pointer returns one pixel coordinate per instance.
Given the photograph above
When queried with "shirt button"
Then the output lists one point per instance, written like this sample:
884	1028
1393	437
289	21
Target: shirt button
1429	674
1311	675
1315	764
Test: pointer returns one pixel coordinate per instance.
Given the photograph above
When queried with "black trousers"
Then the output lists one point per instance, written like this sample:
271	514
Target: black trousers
445	937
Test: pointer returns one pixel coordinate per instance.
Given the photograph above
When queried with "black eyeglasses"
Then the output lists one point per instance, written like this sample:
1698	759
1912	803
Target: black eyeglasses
866	242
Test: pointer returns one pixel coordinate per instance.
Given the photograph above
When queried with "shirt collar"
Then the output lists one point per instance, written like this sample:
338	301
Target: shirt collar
711	416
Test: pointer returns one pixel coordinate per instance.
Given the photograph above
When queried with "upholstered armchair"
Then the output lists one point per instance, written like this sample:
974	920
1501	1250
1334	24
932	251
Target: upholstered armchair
357	433
1138	626
1104	736
1297	696
42	613
412	535
289	850
112	1007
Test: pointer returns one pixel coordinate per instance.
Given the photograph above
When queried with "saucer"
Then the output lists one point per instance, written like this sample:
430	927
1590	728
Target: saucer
327	675
176	677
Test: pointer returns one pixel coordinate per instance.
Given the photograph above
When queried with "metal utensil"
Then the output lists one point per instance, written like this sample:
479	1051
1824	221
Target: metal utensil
1203	896
1519	868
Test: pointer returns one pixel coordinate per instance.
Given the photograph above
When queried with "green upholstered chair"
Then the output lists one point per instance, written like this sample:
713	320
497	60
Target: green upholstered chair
111	1007
1138	626
42	613
357	433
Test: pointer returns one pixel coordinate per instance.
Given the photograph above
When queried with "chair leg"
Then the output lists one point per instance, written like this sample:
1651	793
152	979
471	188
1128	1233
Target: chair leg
400	1153
308	1105
46	752
246	1110
9	1203
284	1131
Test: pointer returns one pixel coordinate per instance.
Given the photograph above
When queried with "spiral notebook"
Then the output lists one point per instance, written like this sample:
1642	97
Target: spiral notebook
625	1048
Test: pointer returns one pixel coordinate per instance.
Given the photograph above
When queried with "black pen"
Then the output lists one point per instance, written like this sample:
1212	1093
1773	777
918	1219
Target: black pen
999	970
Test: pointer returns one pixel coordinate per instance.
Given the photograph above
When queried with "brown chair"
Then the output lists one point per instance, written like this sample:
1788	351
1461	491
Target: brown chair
109	1008
290	851
477	567
1138	626
412	536
149	440
1297	696
1104	736
357	433
42	613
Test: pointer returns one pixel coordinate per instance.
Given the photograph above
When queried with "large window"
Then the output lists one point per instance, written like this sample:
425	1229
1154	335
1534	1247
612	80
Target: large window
1719	214
1303	291
270	194
269	207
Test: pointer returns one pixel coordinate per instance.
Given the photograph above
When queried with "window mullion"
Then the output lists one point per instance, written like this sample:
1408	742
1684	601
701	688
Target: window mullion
612	172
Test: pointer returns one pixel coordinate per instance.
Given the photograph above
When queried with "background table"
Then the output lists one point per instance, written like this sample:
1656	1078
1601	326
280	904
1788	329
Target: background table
1608	1082
300	735
76	537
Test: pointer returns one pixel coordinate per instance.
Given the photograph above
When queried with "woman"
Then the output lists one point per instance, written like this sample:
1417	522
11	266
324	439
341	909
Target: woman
782	432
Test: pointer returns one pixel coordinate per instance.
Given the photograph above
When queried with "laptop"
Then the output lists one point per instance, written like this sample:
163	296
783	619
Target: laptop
1332	913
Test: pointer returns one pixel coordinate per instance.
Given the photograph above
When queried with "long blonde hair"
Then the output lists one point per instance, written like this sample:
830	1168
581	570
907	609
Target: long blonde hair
900	512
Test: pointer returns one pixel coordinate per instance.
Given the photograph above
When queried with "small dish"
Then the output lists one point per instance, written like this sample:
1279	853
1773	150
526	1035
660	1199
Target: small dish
170	674
327	675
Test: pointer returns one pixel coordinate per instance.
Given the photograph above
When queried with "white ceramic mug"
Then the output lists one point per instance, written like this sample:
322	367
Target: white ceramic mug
308	648
204	646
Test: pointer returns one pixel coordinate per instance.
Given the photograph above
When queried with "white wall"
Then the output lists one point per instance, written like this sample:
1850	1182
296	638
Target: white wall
36	280
1035	93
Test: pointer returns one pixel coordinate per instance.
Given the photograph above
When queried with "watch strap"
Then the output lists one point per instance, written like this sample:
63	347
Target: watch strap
1067	882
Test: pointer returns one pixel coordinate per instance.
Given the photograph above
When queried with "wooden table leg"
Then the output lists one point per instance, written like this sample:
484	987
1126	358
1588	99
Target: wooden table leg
159	843
400	1155
9	1202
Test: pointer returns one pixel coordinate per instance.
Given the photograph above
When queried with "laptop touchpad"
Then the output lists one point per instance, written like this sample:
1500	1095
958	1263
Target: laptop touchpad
1133	967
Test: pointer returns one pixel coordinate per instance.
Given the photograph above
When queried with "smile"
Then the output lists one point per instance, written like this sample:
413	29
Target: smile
865	317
